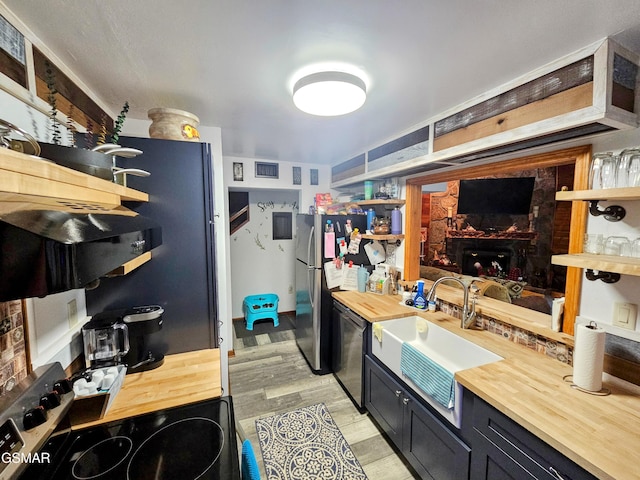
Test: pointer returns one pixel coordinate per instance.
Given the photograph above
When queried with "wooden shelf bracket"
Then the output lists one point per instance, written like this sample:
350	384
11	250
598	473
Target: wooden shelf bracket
612	213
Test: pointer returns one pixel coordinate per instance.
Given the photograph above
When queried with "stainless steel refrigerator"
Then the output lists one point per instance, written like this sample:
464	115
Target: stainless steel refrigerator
313	298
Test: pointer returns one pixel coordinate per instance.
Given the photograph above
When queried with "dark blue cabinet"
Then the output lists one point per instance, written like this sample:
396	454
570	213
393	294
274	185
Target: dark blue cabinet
431	448
503	450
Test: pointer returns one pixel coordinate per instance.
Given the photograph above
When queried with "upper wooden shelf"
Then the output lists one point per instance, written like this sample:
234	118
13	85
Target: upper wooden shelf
388	201
29	175
602	263
627	193
387	237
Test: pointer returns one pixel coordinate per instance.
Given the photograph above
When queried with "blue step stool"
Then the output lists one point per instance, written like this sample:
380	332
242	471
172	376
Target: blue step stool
259	307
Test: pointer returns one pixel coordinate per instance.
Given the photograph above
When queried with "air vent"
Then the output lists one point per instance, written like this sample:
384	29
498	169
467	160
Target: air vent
267	170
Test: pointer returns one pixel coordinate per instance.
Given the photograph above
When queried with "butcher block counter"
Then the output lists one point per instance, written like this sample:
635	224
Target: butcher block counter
183	378
599	433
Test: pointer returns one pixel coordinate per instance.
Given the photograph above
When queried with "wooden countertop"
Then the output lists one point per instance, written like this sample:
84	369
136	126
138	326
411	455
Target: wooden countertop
183	378
599	433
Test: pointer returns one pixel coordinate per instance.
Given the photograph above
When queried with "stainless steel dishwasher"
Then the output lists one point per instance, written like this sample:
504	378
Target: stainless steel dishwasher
349	330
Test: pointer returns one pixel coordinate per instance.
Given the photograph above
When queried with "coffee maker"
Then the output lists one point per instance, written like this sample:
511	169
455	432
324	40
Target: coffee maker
141	322
120	336
106	340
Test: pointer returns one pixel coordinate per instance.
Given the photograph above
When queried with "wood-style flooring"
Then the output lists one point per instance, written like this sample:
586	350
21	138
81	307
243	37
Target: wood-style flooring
269	375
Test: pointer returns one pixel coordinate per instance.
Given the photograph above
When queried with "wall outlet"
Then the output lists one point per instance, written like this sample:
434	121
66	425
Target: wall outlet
72	313
624	315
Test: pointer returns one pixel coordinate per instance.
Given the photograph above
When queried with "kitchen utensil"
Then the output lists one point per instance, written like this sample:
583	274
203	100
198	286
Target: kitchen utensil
7	128
99	162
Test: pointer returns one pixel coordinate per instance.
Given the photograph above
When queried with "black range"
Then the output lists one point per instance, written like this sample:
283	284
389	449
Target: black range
195	441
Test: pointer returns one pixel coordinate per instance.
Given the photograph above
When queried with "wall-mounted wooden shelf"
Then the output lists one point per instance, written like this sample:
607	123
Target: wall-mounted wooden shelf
26	174
391	202
130	266
385	238
627	193
605	263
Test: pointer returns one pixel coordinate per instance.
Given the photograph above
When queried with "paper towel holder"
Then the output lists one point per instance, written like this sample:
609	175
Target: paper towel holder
603	392
569	378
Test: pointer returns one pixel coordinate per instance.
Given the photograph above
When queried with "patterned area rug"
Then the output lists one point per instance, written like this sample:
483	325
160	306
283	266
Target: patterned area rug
306	444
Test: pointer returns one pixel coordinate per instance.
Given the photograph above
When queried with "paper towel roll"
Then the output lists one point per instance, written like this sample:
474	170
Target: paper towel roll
588	357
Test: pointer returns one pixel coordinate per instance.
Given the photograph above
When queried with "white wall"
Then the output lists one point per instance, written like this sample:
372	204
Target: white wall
272	269
598	298
260	264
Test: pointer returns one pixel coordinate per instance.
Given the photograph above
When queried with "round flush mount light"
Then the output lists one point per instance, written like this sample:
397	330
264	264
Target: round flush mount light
329	93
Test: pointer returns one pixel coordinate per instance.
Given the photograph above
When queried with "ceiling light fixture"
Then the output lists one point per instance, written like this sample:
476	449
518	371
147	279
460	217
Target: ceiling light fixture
329	93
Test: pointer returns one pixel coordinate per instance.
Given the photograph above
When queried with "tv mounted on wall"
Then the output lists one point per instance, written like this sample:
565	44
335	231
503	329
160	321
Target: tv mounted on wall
510	196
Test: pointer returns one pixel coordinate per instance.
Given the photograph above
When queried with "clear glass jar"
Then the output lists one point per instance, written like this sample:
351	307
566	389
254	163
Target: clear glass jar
619	246
624	175
595	172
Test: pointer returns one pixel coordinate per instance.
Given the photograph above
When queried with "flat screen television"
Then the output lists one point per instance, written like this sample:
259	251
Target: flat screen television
510	196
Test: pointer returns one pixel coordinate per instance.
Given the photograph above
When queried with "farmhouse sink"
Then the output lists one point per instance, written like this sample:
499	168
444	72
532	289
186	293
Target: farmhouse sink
447	349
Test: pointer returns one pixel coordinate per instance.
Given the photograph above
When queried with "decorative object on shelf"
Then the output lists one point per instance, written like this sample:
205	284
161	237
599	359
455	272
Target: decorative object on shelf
173	124
238	175
313	176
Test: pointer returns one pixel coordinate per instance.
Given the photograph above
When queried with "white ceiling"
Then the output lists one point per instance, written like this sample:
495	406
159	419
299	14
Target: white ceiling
233	62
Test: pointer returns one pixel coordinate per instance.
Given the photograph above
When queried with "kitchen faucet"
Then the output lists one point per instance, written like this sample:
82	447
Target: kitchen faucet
468	314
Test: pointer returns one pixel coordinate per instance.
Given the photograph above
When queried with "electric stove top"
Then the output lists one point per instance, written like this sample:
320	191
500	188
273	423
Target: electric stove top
190	442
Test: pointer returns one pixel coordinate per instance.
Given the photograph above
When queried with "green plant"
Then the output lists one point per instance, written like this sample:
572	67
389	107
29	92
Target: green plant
50	78
117	128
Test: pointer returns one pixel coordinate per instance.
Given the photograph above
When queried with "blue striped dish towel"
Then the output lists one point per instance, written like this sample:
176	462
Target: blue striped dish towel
432	378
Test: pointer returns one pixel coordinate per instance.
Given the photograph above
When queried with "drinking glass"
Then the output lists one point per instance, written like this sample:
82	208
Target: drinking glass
623	175
593	243
595	172
609	171
619	246
635	248
634	170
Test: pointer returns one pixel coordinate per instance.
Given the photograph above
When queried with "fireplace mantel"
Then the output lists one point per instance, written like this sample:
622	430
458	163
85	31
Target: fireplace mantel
481	235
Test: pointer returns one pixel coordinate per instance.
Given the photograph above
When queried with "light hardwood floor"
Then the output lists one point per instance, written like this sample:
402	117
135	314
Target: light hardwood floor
269	375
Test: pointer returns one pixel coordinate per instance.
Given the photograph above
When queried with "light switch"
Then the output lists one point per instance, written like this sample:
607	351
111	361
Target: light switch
624	315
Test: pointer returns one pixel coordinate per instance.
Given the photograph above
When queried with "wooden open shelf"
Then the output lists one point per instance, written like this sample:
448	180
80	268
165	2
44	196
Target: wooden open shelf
381	202
627	193
29	175
386	238
603	263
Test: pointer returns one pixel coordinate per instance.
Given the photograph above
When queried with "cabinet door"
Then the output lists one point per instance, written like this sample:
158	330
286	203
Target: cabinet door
430	446
488	462
383	399
504	449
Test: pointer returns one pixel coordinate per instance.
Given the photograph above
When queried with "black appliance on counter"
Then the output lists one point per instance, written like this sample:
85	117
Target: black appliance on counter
313	299
122	336
180	277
